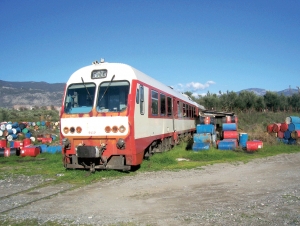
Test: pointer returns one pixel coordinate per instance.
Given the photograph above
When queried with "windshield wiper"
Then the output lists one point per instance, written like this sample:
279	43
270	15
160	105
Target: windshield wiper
87	90
107	88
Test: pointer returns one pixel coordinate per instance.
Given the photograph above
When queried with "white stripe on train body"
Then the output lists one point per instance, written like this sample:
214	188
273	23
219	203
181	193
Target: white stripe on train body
112	115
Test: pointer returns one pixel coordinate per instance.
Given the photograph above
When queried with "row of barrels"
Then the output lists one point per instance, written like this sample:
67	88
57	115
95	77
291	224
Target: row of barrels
13	131
288	131
230	139
25	148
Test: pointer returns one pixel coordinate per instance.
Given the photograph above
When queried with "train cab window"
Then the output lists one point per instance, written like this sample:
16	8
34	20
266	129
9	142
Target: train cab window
154	102
162	104
79	98
142	102
112	96
169	103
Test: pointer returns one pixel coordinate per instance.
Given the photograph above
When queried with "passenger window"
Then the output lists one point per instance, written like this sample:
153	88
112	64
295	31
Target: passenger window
162	104
169	102
154	102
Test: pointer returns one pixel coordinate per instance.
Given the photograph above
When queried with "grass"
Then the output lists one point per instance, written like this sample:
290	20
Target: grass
50	165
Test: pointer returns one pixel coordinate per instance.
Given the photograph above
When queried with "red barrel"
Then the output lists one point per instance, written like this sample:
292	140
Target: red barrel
276	127
3	143
30	151
251	146
280	134
259	143
270	128
18	144
230	135
46	140
284	127
26	142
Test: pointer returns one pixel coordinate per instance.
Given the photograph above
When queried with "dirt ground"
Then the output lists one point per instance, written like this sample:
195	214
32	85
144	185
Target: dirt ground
261	192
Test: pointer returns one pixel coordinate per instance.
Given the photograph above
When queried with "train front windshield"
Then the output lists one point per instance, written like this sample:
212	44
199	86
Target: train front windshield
111	97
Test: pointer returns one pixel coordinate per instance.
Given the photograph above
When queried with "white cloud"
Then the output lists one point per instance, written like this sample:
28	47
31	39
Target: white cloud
193	86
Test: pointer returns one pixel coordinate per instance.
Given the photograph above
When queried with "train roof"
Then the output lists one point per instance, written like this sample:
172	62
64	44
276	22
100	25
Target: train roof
124	71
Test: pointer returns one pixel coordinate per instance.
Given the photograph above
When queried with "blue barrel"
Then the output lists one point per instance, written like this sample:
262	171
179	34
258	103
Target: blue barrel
285	141
229	127
15	125
202	128
292	141
28	134
202	137
10	131
226	145
292	119
199	146
11	144
287	134
294	126
53	149
43	123
243	139
43	147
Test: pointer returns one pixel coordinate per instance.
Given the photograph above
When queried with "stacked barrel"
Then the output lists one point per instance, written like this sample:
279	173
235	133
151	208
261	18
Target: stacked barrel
205	135
288	131
229	132
13	130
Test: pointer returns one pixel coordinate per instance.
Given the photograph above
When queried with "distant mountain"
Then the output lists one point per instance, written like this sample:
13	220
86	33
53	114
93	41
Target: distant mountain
30	94
261	92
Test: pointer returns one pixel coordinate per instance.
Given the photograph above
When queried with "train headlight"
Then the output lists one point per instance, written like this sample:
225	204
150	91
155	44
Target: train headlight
78	129
107	129
72	129
66	130
115	129
122	129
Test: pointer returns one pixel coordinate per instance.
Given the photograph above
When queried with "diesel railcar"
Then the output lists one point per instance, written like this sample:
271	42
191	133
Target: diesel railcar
113	115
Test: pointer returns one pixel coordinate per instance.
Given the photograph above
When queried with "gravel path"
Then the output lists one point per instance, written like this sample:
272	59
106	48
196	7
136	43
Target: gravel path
261	192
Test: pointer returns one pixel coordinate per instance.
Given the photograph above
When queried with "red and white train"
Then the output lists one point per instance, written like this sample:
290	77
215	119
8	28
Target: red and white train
113	116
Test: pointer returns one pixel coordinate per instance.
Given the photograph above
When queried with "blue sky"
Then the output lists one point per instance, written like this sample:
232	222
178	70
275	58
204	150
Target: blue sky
192	45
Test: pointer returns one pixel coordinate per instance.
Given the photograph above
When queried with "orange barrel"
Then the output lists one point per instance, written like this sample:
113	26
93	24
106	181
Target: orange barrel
270	128
295	134
276	127
284	127
18	144
26	142
3	143
30	151
252	146
230	135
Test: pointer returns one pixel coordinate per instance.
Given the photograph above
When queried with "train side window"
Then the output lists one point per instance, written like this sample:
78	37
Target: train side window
162	104
179	109
184	110
137	98
142	103
169	102
154	102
